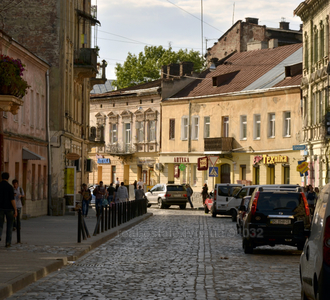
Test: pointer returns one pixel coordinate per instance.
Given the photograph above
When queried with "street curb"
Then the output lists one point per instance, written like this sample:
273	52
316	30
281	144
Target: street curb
6	290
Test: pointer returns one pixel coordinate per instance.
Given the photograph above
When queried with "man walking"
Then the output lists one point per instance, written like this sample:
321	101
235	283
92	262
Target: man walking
7	207
139	193
189	194
122	193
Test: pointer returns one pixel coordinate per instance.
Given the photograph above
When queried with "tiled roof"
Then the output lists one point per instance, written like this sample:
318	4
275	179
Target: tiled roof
242	70
141	86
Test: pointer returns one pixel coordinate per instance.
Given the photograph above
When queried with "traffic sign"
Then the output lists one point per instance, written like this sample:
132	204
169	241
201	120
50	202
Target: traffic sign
213	160
213	171
299	147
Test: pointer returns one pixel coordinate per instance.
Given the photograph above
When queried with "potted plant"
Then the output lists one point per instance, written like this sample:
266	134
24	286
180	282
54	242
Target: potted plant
11	81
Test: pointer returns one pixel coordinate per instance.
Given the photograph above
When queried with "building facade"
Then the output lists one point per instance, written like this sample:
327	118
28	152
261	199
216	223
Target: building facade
60	32
315	89
25	145
244	125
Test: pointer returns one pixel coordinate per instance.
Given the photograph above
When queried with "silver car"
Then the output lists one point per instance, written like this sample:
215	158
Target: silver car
165	195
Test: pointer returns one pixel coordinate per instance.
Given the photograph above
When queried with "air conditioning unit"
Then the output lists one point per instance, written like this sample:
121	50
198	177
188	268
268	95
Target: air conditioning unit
159	167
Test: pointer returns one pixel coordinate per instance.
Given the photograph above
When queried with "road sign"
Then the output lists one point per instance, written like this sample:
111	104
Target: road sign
299	147
213	160
303	168
213	171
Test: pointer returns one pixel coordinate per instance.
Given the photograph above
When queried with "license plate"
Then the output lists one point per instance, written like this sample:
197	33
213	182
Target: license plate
280	221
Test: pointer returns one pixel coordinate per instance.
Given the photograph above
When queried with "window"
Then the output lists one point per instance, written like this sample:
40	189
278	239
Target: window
139	132
243	172
127	136
271	125
113	133
314	109
256	127
172	129
287	124
206	127
225	126
152	131
243	127
113	173
184	128
286	174
195	127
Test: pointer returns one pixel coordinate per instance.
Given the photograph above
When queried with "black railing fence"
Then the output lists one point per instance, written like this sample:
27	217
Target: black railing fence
111	216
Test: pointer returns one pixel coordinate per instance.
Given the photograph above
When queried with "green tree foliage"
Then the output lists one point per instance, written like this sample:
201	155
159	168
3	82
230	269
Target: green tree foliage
147	65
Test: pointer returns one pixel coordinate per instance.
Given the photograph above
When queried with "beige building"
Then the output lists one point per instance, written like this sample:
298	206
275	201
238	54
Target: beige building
246	113
314	86
64	39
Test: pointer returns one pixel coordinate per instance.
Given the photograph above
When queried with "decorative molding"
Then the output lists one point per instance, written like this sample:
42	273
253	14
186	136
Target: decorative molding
9	103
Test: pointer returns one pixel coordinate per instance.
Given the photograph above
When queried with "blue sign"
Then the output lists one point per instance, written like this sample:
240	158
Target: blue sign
299	147
103	160
302	174
213	171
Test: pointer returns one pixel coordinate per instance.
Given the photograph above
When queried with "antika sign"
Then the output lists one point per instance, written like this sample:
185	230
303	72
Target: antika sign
268	160
181	159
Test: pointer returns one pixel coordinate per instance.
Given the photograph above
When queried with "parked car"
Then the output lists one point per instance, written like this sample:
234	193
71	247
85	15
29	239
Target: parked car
276	216
222	193
315	258
165	195
242	209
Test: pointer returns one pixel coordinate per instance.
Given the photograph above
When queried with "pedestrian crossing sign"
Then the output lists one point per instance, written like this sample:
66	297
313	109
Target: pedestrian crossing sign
213	171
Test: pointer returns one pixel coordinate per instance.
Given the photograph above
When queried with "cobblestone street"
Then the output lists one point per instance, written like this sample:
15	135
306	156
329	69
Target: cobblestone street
176	254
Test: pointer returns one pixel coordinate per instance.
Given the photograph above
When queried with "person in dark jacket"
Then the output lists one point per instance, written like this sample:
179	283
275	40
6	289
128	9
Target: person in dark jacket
7	207
189	194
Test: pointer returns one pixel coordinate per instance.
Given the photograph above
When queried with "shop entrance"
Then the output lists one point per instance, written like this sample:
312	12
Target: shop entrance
126	174
225	173
271	174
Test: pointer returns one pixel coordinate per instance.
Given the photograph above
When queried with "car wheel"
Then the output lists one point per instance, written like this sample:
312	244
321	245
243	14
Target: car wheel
160	203
300	246
183	206
248	248
214	214
206	209
234	215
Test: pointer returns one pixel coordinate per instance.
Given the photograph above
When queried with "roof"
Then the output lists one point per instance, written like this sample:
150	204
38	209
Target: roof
125	91
102	88
251	70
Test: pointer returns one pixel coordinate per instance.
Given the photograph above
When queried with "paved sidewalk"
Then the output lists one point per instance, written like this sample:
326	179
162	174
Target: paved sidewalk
47	244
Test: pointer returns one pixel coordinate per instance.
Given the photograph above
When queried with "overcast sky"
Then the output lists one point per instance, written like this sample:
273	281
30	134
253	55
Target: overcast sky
129	25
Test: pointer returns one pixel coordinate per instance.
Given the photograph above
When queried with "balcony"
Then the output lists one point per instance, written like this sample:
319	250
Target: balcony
85	64
220	144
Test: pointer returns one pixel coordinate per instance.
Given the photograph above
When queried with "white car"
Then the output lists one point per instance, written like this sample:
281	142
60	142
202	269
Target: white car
315	258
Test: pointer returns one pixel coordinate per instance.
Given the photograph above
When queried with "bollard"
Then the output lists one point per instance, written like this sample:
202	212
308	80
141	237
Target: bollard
79	225
106	218
102	219
18	227
109	214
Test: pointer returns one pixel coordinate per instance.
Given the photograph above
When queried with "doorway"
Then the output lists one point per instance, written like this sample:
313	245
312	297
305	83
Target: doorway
225	173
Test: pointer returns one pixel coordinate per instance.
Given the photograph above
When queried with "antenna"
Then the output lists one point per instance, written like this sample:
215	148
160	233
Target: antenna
202	25
233	14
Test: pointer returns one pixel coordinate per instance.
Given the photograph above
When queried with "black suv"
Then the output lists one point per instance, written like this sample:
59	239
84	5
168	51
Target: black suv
276	216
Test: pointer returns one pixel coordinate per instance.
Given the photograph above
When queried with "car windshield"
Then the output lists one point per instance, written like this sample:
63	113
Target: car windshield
175	188
284	202
227	191
236	189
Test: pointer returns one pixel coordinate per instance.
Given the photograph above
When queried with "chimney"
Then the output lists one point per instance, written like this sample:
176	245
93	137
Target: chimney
301	27
173	70
273	43
186	68
252	20
284	25
164	72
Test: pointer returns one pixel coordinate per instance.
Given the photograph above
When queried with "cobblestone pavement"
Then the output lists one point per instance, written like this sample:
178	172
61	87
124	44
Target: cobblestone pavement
176	254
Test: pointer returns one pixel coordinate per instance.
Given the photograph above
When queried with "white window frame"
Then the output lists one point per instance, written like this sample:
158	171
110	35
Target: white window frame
271	125
195	127
127	136
152	131
286	123
243	127
225	124
184	128
256	126
113	133
207	126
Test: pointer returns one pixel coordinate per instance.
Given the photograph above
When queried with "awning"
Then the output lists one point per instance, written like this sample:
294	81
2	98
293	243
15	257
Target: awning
29	155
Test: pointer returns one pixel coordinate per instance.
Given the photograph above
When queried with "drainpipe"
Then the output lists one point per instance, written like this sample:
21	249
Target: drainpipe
189	128
50	208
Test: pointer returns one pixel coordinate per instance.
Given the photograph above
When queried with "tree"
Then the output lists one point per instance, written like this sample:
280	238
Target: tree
147	65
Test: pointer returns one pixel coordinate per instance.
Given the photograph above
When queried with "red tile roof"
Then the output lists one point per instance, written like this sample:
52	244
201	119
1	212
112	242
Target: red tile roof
243	69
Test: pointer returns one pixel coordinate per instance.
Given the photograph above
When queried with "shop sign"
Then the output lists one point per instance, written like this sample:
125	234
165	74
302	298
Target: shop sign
72	156
269	160
302	168
257	159
182	167
69	180
299	147
103	160
176	171
202	163
181	159
99	156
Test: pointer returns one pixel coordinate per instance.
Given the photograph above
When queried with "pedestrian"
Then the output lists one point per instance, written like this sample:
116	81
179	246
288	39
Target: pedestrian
19	198
140	183
311	197
204	193
7	207
86	197
306	190
135	185
99	193
122	193
111	191
317	192
139	193
189	194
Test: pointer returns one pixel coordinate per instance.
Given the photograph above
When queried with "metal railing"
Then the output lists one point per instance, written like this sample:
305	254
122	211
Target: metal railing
111	216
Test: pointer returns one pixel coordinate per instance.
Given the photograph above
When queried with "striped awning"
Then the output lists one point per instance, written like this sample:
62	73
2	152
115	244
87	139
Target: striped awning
29	155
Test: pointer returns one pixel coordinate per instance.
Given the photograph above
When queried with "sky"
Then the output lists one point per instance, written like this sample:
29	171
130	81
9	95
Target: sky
130	25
